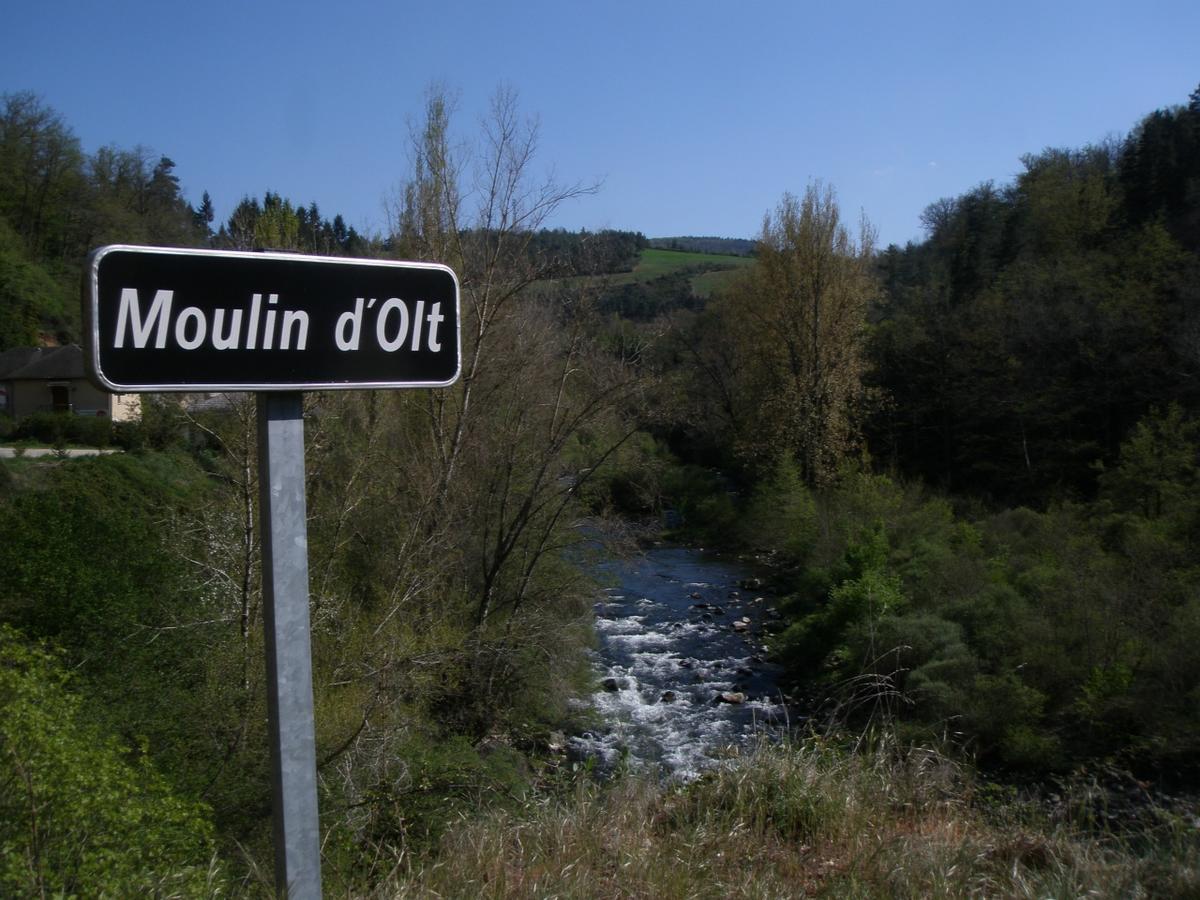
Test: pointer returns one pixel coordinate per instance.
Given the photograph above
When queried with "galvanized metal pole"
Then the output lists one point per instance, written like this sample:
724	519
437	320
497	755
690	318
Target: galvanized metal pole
284	528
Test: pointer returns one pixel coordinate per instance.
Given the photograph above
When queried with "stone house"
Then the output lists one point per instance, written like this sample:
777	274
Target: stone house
52	379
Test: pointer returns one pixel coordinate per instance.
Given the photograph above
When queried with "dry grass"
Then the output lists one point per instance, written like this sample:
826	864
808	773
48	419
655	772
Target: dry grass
805	820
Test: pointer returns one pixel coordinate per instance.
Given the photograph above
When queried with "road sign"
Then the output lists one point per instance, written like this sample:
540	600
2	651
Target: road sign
158	319
161	319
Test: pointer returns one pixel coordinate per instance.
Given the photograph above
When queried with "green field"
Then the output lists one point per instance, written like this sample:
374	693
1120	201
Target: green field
659	263
656	263
710	271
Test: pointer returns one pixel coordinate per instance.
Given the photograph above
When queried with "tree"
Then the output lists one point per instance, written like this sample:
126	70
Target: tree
41	173
202	219
799	322
278	226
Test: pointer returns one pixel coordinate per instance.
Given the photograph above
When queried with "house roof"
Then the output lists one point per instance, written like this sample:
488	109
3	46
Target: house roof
30	363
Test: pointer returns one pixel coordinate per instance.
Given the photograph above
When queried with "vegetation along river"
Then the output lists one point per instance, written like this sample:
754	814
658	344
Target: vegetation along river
683	663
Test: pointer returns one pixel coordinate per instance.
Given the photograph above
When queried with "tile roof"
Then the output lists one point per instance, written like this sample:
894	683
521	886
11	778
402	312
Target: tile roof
28	363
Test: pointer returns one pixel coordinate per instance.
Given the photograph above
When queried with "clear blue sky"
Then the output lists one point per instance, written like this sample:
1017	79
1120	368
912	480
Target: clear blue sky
696	116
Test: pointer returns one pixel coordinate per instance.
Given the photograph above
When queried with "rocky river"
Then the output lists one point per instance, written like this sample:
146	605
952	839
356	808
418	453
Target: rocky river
682	663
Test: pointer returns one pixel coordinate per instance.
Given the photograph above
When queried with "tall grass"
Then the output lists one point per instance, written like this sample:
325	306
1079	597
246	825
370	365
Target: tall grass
806	819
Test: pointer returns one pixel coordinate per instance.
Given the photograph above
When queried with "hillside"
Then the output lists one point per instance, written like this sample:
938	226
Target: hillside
725	246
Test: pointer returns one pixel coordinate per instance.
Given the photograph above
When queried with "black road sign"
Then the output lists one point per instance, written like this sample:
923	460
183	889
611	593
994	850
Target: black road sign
158	319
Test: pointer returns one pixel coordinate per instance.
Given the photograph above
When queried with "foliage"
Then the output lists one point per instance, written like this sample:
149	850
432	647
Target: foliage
796	324
279	224
80	548
808	818
29	298
586	253
60	429
1041	320
1041	639
727	246
78	815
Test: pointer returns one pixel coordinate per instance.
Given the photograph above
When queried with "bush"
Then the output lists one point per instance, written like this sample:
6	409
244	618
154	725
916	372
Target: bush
60	429
702	503
78	816
434	785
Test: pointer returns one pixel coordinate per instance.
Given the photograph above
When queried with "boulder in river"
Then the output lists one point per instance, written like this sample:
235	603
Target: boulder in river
740	626
731	697
667	697
612	685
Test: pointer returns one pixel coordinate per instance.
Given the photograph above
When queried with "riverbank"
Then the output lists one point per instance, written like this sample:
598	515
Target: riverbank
806	819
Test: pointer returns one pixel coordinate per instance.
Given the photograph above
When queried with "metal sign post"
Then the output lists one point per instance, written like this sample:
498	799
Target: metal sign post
284	527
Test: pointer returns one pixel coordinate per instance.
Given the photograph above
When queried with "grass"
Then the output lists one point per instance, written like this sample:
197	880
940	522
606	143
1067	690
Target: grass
657	263
809	819
654	264
708	283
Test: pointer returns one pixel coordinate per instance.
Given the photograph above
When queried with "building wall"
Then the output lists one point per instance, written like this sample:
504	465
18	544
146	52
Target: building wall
126	407
28	397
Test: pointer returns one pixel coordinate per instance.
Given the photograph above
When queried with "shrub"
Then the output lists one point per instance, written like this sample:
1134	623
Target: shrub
702	503
58	429
78	816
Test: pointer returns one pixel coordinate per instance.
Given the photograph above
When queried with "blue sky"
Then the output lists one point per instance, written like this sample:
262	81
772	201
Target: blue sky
695	116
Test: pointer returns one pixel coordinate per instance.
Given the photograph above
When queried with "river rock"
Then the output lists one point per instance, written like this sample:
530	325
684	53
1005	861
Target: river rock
612	685
751	584
731	697
667	697
740	626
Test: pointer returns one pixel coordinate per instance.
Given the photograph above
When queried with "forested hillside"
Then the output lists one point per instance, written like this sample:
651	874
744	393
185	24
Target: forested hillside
969	468
973	461
1040	321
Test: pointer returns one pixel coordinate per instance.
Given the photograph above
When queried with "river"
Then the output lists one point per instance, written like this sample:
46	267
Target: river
682	663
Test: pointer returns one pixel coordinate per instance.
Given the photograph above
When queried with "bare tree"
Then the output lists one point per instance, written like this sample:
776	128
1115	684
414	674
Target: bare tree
444	515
